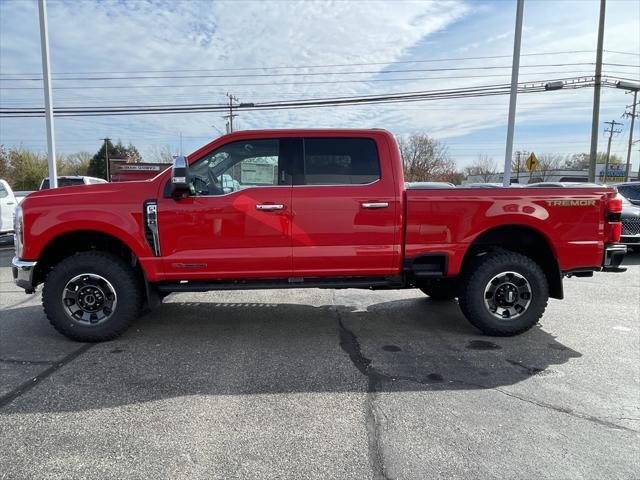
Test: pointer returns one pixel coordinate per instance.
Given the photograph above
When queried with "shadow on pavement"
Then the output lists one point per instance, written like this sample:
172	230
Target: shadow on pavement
184	349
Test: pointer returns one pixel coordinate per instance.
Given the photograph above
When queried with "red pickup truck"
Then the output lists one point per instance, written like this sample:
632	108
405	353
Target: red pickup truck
307	208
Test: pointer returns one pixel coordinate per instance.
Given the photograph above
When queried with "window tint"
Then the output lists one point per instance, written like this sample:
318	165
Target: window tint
235	166
340	161
630	191
63	182
3	191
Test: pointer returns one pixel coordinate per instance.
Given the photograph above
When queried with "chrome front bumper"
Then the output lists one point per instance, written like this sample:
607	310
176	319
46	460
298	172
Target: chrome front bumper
613	256
23	274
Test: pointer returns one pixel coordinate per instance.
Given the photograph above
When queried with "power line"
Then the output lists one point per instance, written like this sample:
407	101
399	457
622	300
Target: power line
395	62
480	91
270	84
309	74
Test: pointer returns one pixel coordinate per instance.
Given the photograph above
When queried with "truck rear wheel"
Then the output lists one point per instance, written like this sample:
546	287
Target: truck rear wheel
504	294
91	296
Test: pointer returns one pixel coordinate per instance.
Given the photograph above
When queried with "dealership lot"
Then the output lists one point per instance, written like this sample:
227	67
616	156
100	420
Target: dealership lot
325	384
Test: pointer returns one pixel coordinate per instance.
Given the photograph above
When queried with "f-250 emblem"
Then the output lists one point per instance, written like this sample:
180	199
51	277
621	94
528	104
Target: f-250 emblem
571	203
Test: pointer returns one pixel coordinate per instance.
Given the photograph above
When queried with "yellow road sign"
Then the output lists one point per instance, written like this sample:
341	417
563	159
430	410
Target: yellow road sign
532	162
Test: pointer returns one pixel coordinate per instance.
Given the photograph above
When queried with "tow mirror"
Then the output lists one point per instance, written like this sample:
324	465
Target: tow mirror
180	177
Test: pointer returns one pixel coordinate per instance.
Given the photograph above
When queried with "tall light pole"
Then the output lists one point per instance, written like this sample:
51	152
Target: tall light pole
596	96
515	69
48	102
634	87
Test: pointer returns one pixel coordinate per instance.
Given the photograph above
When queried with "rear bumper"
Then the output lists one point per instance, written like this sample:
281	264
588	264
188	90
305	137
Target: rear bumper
613	256
23	273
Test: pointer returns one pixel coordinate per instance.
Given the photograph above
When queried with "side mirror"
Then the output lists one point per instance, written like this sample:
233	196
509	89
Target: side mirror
180	178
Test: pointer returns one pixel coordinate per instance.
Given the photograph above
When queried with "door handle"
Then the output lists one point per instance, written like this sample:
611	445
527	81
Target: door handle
269	207
10	203
375	205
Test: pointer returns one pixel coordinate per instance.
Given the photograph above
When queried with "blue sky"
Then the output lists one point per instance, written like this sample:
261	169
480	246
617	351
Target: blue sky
143	36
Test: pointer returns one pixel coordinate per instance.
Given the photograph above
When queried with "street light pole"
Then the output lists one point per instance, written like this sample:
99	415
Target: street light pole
633	117
515	68
48	102
596	96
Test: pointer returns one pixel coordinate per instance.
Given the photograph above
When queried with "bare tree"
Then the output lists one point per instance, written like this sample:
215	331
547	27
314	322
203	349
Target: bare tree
484	167
78	163
547	163
425	159
163	154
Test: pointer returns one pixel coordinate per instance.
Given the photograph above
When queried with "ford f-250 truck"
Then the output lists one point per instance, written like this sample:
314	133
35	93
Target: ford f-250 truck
306	208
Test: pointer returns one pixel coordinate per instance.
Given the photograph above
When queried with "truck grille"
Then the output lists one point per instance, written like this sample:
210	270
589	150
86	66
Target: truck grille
631	226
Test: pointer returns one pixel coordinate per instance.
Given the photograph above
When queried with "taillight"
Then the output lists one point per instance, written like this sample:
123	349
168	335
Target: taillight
614	214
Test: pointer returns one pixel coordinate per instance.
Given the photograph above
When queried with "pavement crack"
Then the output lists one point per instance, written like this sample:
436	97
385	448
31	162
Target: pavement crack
351	346
7	398
567	411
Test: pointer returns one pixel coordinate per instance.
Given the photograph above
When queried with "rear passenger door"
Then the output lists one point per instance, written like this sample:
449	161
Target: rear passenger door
344	209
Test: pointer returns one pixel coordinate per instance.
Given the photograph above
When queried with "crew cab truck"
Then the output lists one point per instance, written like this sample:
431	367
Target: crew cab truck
306	208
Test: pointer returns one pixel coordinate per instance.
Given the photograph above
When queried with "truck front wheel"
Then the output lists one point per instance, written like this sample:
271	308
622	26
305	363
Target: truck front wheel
91	296
504	293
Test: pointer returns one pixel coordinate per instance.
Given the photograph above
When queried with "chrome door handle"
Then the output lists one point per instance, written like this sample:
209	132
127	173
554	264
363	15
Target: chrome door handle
269	207
375	205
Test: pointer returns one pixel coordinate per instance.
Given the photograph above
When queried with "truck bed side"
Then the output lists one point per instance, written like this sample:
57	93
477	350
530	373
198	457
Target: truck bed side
448	221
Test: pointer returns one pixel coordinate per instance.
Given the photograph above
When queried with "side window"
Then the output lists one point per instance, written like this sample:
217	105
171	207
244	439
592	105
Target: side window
3	191
340	161
235	166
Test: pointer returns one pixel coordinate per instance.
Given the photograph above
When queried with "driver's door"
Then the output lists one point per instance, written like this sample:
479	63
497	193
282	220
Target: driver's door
237	221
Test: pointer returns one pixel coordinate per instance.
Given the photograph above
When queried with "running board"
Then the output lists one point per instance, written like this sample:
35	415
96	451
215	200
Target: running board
372	283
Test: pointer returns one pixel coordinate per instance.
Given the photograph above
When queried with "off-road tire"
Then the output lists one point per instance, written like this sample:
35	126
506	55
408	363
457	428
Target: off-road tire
476	279
119	274
441	290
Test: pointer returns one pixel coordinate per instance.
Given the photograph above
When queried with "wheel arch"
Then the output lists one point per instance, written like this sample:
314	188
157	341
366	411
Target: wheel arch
72	242
525	240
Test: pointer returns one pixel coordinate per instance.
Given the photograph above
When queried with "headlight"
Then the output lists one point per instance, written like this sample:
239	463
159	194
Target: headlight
18	229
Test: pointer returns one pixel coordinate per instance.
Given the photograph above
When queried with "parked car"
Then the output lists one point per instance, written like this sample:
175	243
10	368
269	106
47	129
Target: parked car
69	181
8	204
630	190
490	185
315	208
630	224
561	184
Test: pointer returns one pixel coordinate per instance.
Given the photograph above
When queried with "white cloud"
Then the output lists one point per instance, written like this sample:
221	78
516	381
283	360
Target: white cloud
140	36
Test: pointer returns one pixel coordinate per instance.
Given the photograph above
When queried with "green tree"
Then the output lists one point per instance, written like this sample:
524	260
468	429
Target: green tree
27	168
5	165
98	163
580	161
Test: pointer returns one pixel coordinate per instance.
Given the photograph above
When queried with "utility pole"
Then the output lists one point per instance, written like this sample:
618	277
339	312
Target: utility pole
515	69
48	100
231	114
596	96
633	116
611	131
106	153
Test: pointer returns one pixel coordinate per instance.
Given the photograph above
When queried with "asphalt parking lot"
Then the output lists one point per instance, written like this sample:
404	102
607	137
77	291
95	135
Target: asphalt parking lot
325	384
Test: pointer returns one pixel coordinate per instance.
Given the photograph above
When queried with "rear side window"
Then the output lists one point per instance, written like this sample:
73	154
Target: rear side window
340	161
3	191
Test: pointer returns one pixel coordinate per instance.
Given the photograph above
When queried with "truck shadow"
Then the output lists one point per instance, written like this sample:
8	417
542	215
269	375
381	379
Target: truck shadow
206	349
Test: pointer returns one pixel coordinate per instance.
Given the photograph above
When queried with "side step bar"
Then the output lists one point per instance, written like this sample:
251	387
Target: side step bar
372	283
